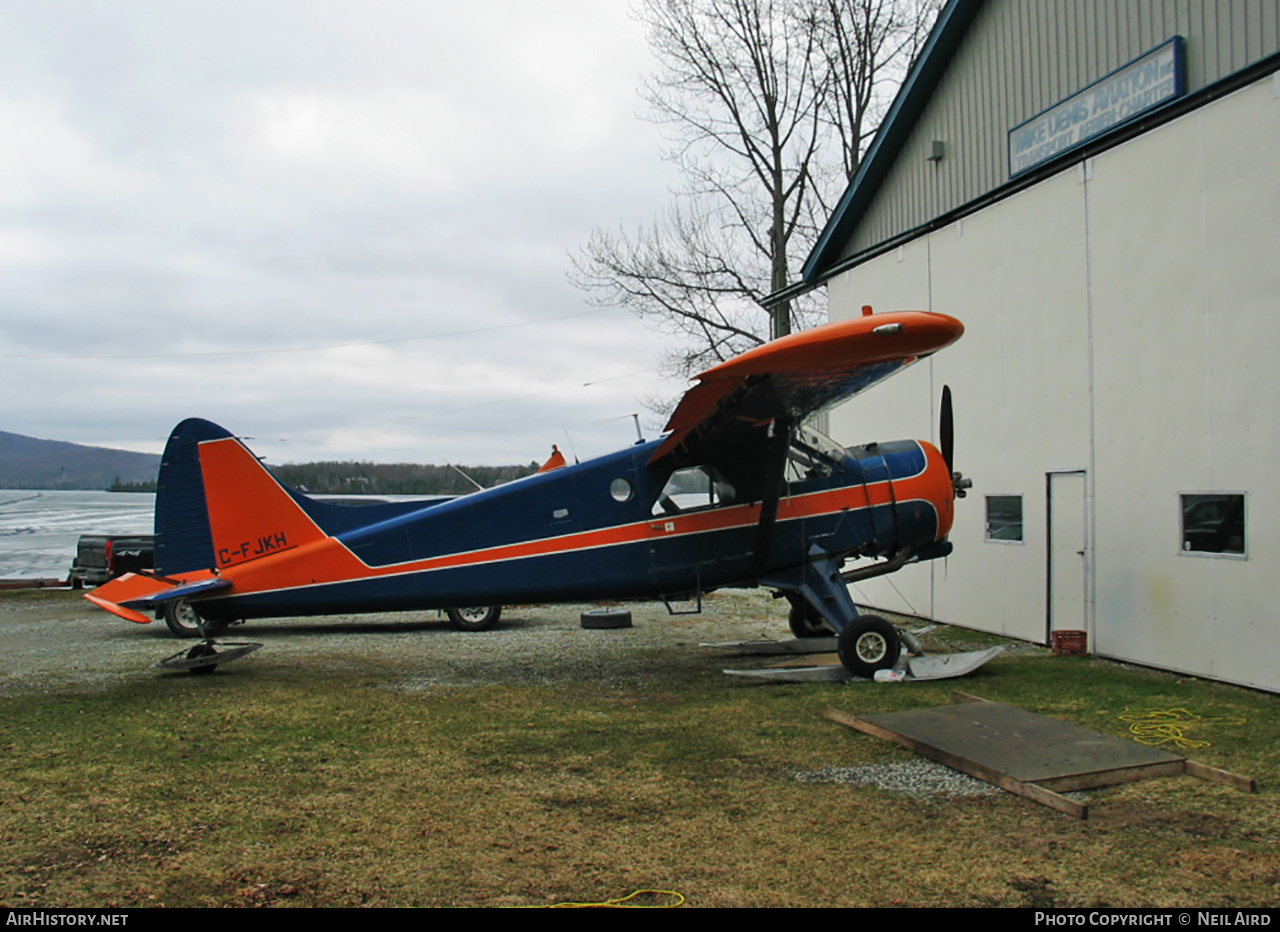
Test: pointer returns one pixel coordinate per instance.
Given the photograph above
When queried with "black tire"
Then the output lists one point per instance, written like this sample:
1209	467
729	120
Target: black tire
478	618
867	644
201	650
805	622
602	619
183	621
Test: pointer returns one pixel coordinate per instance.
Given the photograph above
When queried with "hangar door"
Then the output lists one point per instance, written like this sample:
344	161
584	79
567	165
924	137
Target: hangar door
1068	551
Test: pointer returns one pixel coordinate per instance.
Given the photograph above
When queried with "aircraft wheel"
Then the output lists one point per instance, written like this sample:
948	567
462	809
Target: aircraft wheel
184	622
867	644
478	618
805	622
201	650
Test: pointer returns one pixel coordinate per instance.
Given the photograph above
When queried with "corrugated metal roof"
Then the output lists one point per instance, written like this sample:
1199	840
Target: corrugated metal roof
987	67
894	131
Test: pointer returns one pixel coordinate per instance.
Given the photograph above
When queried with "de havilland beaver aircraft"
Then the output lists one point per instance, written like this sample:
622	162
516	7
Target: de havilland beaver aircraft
738	493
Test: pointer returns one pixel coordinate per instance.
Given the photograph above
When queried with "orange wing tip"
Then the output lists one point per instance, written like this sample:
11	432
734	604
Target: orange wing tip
855	340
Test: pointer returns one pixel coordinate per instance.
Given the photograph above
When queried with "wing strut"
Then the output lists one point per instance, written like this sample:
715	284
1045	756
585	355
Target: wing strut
775	465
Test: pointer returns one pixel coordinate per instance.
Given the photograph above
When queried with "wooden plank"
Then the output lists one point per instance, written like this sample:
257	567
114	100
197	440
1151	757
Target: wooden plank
44	583
1110	776
1237	781
1019	788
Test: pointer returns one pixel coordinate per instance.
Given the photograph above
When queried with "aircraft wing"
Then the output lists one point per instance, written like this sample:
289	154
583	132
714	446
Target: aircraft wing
734	404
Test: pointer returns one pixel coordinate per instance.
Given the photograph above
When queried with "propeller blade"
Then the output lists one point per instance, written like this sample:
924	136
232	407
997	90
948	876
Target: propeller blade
947	430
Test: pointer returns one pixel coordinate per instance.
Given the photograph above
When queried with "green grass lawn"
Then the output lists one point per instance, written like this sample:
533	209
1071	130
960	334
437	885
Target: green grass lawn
282	785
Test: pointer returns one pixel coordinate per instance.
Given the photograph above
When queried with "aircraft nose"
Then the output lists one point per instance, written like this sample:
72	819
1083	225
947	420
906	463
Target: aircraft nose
942	488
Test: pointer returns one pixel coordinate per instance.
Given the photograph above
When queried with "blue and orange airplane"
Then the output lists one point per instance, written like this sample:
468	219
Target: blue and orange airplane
737	494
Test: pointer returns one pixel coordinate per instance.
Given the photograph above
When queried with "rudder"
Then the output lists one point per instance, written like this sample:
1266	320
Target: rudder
251	515
184	542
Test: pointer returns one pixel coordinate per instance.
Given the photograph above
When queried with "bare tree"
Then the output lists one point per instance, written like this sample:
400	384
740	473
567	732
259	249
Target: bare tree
867	47
768	105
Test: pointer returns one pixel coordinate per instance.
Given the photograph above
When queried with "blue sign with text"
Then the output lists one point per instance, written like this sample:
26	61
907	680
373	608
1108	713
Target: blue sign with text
1130	90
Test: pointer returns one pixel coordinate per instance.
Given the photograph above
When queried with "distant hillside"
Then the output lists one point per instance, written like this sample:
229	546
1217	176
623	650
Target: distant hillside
28	463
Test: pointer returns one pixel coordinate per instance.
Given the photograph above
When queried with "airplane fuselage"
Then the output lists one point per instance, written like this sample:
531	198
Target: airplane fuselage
609	528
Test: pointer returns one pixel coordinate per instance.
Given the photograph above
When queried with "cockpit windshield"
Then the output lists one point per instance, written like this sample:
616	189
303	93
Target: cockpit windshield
812	455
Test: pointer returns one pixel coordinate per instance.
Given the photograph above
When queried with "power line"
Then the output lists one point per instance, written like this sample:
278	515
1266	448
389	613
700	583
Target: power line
305	349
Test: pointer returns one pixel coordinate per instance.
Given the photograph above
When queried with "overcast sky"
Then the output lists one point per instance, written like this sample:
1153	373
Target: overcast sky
338	229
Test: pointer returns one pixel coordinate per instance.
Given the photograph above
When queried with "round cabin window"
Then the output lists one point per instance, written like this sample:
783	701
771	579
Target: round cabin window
620	489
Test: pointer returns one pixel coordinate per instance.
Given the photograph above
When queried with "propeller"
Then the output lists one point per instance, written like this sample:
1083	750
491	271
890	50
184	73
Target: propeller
947	429
947	443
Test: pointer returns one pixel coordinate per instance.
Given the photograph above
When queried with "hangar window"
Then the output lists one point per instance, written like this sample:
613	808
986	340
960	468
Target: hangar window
1004	518
1213	522
693	488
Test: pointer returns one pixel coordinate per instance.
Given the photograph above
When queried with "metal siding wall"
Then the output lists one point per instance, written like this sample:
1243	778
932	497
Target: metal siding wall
1023	56
1016	277
1175	257
1184	295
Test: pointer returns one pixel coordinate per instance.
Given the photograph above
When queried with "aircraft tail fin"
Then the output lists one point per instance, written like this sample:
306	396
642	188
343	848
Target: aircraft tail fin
217	506
184	543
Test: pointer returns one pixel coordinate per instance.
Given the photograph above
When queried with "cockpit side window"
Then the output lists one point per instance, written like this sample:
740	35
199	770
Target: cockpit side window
691	489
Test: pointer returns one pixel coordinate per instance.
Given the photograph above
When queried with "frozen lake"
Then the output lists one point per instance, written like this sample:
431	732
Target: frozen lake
38	530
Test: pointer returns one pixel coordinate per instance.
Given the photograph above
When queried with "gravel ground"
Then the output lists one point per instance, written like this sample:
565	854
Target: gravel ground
54	640
50	641
922	779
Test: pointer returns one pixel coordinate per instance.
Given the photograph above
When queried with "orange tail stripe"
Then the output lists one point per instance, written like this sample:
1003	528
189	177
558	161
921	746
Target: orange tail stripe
250	515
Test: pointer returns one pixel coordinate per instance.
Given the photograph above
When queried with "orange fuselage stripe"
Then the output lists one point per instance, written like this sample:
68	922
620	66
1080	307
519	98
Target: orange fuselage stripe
330	561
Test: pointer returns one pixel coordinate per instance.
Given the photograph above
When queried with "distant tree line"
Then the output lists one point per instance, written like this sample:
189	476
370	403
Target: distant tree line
351	478
147	485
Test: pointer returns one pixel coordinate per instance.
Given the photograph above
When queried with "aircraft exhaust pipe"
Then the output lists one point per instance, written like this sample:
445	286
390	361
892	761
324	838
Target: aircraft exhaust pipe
891	565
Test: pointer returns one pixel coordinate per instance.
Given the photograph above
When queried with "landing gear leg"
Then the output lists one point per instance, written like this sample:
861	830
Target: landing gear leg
804	621
866	643
184	621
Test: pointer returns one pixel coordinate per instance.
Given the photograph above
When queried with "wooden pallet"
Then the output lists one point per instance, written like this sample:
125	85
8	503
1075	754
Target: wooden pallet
1028	754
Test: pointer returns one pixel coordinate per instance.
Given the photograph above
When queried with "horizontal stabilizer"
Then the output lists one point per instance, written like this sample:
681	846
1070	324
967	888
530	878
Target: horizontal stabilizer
127	588
203	587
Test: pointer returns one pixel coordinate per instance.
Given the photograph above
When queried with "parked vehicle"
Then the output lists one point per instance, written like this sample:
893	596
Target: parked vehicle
102	557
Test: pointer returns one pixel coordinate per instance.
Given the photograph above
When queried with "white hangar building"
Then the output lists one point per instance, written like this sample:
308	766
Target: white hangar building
1093	188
